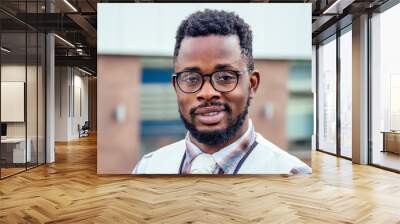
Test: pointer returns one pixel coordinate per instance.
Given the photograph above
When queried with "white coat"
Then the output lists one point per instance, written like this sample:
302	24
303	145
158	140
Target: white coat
266	158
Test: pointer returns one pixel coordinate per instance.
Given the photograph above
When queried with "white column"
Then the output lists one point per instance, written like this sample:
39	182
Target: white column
360	90
50	99
50	92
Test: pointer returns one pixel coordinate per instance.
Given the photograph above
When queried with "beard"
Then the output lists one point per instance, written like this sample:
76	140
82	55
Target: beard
217	137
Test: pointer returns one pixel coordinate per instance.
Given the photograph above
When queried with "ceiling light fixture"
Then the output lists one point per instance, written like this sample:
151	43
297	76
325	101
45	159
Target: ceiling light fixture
64	40
70	5
337	7
84	71
5	50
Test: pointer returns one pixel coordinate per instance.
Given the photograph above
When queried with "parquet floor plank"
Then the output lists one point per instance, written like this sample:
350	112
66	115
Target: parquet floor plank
70	191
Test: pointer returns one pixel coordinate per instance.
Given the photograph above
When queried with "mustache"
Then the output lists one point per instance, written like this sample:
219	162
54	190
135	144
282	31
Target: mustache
227	108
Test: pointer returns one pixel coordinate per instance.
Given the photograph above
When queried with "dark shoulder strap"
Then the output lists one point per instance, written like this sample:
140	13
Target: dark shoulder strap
182	162
245	157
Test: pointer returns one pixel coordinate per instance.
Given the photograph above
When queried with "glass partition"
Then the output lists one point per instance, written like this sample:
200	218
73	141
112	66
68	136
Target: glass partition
13	108
385	88
327	96
22	88
41	88
31	100
346	94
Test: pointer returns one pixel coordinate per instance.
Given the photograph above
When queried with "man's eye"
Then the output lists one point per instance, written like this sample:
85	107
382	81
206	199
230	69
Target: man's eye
225	78
191	80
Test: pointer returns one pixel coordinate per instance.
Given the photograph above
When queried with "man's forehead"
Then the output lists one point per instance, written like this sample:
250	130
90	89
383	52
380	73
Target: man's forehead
219	42
214	49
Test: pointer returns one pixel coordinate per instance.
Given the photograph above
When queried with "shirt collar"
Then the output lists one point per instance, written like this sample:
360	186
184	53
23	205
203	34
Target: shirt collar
228	157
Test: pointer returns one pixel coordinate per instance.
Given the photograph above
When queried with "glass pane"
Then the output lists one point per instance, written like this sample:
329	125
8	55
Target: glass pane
41	98
346	94
327	97
31	100
13	89
160	122
386	89
299	125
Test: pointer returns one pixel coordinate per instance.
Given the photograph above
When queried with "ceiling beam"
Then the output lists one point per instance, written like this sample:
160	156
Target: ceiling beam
82	61
338	6
86	26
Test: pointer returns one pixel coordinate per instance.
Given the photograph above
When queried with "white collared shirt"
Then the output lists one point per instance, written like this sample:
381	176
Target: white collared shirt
228	157
266	158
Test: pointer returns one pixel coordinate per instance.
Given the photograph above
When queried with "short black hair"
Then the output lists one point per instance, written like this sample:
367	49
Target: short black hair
204	23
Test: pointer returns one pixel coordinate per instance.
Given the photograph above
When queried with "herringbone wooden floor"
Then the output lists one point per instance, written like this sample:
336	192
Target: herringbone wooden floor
70	191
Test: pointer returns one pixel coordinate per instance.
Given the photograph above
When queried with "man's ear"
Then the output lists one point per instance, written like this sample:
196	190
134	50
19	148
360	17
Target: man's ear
173	78
254	82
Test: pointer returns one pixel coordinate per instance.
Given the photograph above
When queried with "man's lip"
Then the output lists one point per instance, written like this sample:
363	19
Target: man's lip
210	109
211	118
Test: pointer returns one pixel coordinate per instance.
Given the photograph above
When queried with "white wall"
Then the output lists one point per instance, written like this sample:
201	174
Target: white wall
12	101
80	84
33	126
68	82
280	31
11	73
62	82
15	73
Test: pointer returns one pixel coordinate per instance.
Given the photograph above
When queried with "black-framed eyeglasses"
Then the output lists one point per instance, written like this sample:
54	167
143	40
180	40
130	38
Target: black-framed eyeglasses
222	81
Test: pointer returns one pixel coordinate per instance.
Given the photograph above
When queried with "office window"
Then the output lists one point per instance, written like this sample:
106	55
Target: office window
385	84
346	94
299	125
160	122
327	96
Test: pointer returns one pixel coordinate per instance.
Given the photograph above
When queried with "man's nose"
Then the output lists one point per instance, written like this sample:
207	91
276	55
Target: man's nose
207	92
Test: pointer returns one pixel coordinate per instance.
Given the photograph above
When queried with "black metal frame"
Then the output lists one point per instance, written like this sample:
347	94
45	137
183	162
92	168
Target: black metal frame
178	74
44	77
317	97
45	89
340	30
369	77
0	91
338	98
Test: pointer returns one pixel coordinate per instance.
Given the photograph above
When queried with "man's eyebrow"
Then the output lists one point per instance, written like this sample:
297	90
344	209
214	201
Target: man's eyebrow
217	67
223	66
192	69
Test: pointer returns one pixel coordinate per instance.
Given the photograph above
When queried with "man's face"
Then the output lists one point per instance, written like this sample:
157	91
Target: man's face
209	110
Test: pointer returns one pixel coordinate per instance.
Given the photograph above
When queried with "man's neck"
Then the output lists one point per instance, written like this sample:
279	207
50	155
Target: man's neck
210	149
